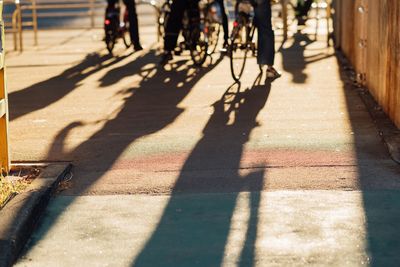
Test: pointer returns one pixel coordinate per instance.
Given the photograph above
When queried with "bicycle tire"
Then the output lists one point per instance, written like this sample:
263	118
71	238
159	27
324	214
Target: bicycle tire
213	30
198	45
238	50
163	18
126	38
110	42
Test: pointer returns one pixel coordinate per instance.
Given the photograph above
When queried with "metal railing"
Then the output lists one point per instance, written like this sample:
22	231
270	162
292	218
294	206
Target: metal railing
14	23
28	12
4	147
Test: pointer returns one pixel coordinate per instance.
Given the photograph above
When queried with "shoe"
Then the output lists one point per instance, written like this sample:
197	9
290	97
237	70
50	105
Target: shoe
165	58
273	74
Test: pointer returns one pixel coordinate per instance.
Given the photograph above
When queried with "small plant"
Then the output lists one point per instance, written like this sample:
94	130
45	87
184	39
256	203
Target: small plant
9	188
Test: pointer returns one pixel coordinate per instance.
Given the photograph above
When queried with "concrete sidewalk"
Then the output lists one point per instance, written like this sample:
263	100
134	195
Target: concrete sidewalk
185	168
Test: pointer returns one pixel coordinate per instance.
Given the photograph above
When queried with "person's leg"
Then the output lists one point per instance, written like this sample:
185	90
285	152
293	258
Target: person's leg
174	25
225	22
266	37
133	24
193	13
111	5
111	2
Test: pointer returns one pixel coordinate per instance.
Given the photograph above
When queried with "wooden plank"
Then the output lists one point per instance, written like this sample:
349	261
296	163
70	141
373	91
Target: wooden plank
347	28
360	39
394	93
383	55
377	22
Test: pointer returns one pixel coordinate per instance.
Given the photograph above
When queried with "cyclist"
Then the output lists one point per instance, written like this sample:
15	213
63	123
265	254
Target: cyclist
266	37
174	25
133	21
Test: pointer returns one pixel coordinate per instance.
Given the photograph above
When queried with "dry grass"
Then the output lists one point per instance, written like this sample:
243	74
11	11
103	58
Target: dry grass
14	184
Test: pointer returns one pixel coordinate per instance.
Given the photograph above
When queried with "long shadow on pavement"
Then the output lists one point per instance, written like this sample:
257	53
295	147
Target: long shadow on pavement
378	175
293	59
379	182
148	108
45	93
195	225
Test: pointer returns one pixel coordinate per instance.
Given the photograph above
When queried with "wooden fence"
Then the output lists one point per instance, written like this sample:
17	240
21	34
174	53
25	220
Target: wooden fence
4	153
368	32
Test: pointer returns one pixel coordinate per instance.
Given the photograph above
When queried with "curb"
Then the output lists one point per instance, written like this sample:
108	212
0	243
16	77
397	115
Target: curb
389	133
20	216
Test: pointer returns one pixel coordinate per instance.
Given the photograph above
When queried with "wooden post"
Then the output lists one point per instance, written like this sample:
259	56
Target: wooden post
360	41
19	26
4	149
284	18
34	22
92	12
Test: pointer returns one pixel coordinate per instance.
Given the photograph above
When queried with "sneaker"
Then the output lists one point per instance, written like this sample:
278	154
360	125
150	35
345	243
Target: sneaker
165	58
273	74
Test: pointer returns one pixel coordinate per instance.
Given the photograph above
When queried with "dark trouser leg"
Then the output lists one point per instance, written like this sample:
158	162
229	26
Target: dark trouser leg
193	12
266	36
224	19
133	22
174	24
111	3
303	6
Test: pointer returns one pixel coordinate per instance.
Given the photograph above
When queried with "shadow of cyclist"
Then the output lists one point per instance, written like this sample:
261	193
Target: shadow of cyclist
40	95
195	225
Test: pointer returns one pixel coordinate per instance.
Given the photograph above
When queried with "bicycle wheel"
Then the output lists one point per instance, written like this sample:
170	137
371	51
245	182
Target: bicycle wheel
213	28
125	35
163	16
238	50
127	39
198	45
110	41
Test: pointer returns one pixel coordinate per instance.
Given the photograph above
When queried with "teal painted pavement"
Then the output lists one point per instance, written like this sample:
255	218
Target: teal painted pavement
283	228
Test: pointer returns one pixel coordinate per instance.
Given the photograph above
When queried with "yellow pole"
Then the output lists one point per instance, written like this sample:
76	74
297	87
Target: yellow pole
4	149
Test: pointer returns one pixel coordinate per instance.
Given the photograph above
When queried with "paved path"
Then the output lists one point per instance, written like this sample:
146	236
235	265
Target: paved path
183	167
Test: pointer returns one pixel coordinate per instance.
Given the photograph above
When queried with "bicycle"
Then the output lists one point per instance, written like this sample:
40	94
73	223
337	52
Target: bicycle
241	40
115	29
213	23
194	32
163	14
